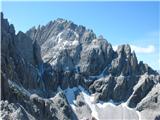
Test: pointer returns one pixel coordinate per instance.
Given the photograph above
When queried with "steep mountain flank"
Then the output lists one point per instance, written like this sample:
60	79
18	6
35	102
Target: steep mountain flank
64	71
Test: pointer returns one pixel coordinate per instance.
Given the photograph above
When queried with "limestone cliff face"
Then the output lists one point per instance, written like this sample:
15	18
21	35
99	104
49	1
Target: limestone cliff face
41	66
23	83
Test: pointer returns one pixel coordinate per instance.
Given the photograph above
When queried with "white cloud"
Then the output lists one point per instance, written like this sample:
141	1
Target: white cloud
154	34
148	49
139	49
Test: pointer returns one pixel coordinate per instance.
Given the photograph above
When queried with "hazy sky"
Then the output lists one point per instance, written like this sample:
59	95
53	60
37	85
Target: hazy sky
134	23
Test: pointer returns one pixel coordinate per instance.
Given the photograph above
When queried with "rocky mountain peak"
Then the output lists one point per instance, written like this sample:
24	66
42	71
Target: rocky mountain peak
124	49
63	71
61	20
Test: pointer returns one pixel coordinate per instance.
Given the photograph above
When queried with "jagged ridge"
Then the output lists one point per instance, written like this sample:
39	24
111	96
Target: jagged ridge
72	56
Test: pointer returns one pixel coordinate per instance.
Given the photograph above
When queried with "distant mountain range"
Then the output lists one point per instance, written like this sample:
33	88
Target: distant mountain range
63	71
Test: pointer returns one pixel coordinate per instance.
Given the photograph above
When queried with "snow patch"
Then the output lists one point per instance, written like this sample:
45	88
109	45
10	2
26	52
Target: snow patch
59	39
89	101
75	43
101	110
70	94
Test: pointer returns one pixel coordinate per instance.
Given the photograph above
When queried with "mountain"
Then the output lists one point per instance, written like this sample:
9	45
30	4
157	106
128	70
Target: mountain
63	71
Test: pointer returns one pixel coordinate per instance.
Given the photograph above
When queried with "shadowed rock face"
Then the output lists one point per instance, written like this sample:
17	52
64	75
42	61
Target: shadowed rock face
23	80
39	66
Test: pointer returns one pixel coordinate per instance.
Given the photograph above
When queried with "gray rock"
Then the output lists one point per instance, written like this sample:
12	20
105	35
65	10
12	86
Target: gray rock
134	63
95	57
144	68
61	54
104	88
4	87
24	46
151	100
121	89
141	89
41	108
12	111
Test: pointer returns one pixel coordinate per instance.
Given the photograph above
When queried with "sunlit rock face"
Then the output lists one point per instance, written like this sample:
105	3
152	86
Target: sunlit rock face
64	71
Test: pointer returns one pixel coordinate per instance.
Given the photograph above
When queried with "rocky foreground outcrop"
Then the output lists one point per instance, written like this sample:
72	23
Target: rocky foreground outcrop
46	70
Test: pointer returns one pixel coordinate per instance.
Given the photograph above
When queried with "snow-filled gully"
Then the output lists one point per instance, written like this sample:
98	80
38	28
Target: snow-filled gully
102	110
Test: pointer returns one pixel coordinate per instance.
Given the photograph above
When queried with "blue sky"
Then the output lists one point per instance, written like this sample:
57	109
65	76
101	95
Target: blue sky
135	23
